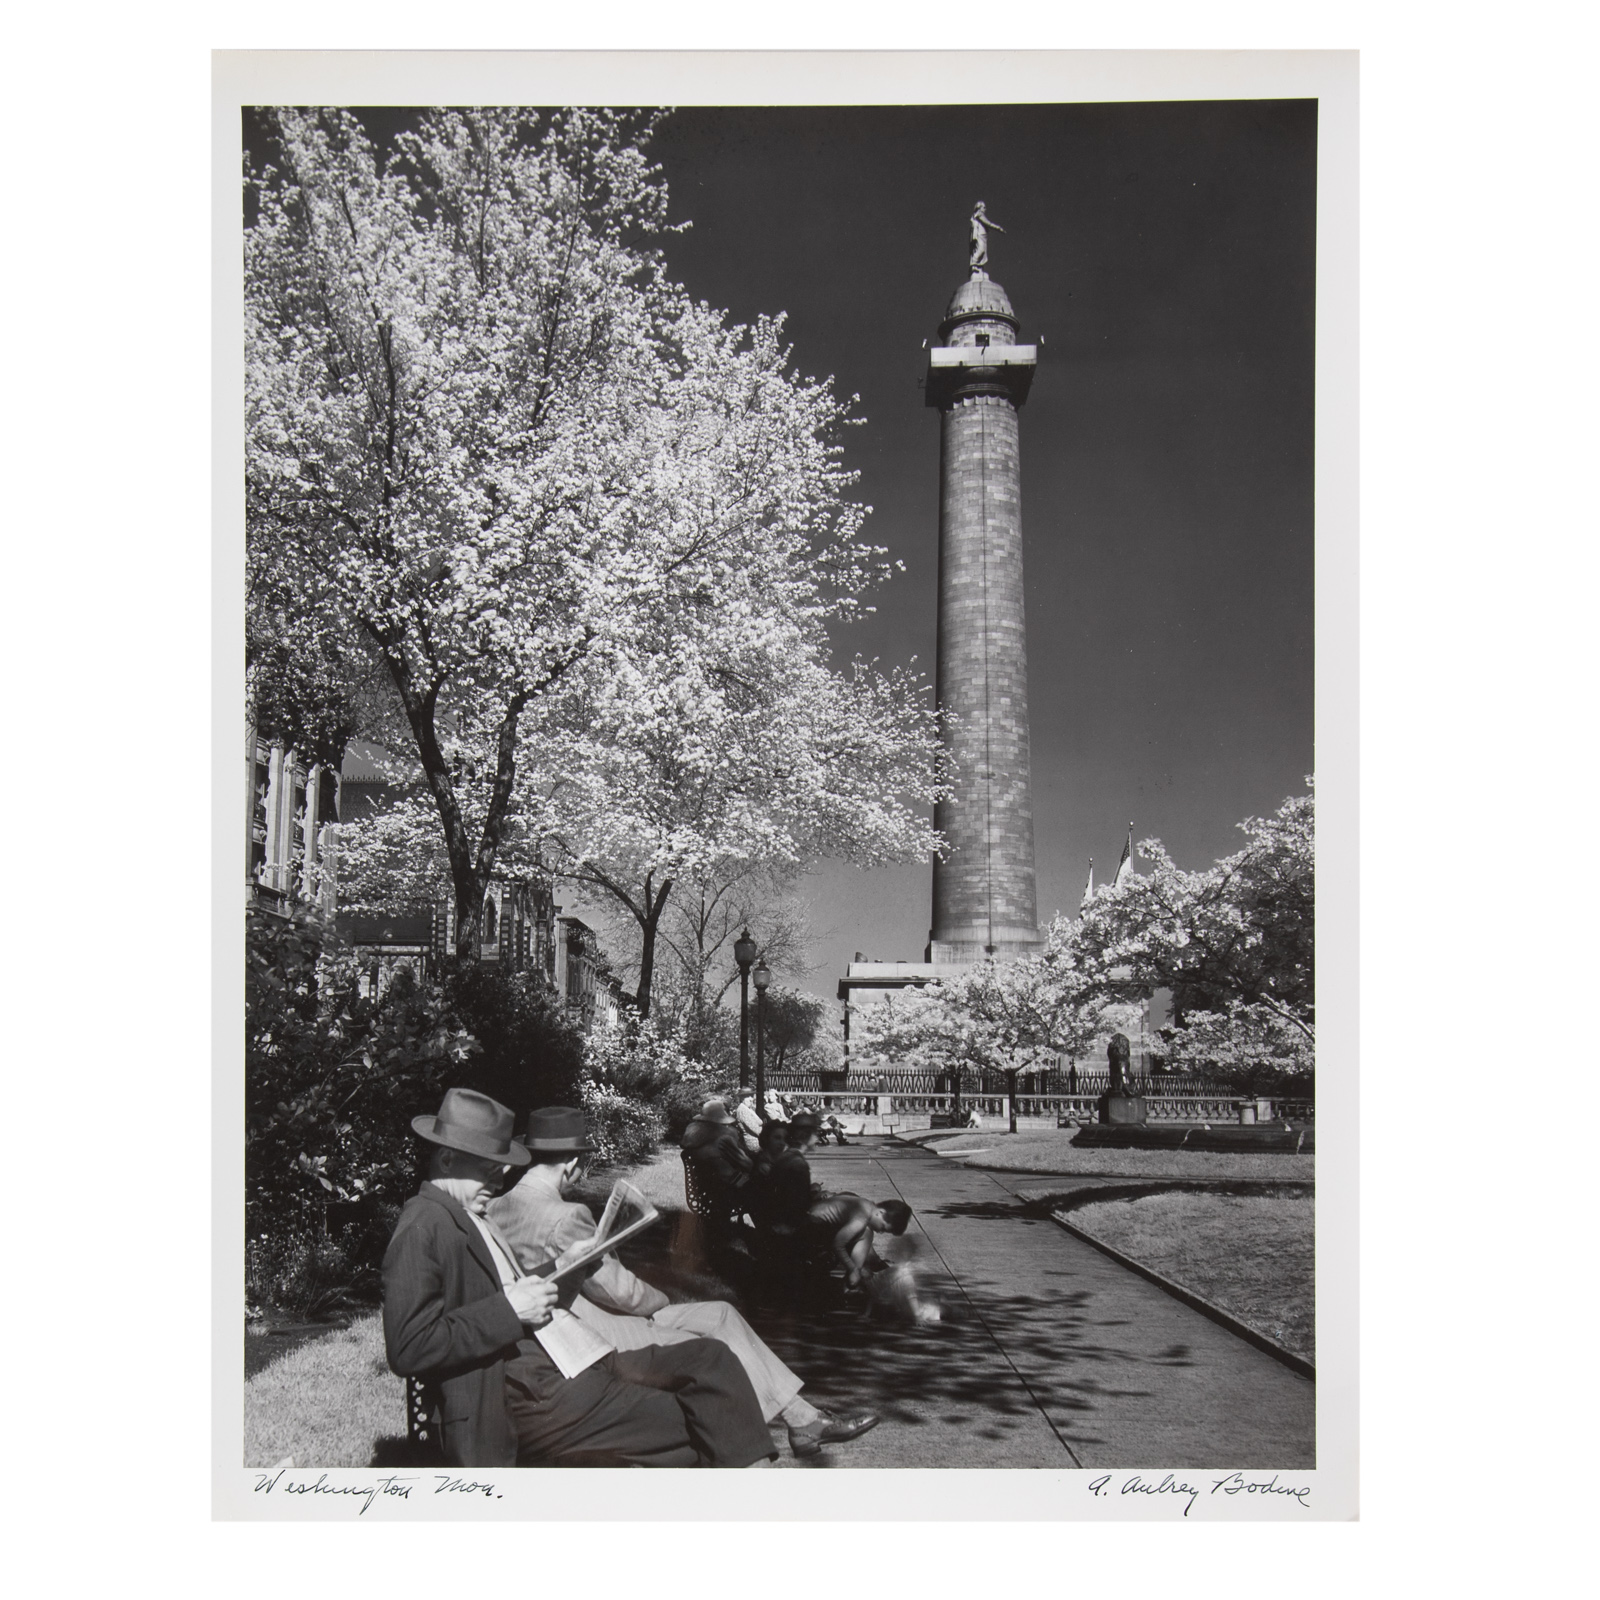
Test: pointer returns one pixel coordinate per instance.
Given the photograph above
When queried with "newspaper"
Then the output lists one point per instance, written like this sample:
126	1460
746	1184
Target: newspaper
627	1213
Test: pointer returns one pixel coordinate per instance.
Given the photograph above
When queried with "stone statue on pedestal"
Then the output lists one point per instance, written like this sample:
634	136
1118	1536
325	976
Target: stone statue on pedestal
1119	1055
1120	1104
981	223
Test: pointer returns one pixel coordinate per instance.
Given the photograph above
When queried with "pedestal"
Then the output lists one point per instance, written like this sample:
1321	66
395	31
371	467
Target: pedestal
1122	1110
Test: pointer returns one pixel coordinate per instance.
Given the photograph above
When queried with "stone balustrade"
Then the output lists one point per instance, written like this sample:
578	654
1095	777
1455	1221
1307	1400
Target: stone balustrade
909	1113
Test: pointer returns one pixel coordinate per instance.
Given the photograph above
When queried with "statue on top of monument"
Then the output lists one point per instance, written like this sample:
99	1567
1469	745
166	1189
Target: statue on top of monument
981	223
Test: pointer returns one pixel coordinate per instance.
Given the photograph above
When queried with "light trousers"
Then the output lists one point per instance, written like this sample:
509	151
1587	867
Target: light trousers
775	1385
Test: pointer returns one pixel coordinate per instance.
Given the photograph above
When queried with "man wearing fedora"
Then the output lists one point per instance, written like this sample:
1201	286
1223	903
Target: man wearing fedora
541	1224
457	1309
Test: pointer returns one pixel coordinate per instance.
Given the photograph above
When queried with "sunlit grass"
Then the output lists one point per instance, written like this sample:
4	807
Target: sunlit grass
1250	1254
1051	1150
326	1404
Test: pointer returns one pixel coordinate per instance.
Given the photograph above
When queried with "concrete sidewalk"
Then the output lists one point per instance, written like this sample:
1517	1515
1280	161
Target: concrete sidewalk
1049	1354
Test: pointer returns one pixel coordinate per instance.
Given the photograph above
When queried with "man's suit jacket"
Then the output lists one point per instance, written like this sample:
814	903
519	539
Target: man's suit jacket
446	1320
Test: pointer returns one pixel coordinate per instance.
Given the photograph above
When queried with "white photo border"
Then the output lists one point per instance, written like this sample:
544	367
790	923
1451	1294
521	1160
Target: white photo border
242	78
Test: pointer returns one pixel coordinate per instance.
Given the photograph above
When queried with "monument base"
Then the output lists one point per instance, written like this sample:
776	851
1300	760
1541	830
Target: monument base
1122	1110
959	954
1223	1137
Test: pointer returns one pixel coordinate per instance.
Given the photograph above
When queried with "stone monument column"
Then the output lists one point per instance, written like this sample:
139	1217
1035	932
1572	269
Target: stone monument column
984	900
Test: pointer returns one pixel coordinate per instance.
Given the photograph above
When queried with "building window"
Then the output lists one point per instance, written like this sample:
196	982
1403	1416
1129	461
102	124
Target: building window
328	796
262	782
301	854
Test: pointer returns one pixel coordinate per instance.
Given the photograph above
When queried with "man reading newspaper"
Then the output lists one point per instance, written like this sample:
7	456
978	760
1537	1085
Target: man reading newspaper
541	1224
457	1307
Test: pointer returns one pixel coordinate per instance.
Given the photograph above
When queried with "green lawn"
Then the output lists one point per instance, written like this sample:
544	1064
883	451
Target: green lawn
1250	1254
1051	1150
326	1404
660	1180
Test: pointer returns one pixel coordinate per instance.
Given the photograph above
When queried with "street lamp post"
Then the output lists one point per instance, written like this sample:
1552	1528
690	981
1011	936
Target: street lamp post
762	978
744	952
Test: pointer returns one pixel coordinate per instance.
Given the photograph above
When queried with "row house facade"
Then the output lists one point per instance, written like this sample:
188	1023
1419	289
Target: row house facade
293	810
291	826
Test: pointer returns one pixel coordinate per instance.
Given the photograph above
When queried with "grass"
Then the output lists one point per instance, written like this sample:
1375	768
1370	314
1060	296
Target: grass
1249	1254
325	1404
660	1180
1051	1150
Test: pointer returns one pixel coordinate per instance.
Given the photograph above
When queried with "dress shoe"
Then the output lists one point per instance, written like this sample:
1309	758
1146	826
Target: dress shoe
829	1429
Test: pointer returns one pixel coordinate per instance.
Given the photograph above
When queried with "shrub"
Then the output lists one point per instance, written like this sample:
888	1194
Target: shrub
530	1052
622	1128
306	1275
332	1081
648	1064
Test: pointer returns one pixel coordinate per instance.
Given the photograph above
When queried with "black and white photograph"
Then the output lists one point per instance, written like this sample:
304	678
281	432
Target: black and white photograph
791	645
909	815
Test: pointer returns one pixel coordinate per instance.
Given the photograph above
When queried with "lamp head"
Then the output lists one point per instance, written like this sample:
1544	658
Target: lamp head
744	950
762	976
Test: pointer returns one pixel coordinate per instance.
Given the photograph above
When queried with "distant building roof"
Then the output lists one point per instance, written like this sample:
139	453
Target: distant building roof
371	763
894	975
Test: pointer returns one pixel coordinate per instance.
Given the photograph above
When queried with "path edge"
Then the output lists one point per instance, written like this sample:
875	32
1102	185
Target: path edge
1206	1308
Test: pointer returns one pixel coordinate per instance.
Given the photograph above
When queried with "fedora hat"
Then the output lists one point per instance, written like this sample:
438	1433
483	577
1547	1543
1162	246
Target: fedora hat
715	1110
473	1123
557	1130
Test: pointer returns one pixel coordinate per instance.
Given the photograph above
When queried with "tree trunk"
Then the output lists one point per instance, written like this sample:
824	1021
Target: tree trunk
654	905
470	870
469	915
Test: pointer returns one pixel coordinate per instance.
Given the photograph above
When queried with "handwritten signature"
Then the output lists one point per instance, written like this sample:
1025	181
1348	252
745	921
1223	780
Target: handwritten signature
1233	1484
390	1485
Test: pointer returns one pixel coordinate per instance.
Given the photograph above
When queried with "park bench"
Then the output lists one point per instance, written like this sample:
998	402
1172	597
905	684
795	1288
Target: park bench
699	1196
422	1431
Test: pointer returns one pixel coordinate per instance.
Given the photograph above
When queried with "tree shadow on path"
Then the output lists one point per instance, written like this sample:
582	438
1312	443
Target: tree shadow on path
992	1364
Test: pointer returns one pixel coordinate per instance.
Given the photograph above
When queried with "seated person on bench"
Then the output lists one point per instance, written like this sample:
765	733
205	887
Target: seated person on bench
713	1142
749	1119
540	1223
782	1193
458	1309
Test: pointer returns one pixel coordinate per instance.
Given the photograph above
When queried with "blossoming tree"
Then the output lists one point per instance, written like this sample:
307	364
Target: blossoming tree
1240	934
591	534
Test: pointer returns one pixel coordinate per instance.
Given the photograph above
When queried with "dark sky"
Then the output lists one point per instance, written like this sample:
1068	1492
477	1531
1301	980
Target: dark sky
1165	253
